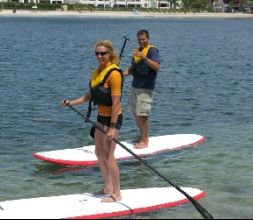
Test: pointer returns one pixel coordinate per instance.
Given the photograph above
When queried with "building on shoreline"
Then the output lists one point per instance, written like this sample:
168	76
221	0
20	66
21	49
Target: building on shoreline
128	3
109	3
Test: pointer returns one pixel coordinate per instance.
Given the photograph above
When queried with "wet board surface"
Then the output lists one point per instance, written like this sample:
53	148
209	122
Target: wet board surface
85	156
89	206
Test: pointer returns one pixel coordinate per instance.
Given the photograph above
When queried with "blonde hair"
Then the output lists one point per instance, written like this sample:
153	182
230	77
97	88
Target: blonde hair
108	45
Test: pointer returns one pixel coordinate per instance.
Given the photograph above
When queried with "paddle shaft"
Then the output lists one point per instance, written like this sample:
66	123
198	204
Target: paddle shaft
123	47
205	214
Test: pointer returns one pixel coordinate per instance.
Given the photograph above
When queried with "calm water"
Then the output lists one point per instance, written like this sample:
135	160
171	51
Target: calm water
204	86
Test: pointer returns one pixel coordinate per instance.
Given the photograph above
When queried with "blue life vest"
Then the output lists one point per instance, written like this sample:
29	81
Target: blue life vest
143	76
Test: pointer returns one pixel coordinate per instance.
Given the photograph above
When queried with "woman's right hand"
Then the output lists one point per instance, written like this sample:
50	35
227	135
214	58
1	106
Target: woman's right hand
65	103
77	101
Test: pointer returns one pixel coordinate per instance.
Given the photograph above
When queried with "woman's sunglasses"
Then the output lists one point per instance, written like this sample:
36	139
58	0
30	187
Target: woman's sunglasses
101	53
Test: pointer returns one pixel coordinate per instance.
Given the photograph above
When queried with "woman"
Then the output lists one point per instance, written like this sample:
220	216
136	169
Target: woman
105	90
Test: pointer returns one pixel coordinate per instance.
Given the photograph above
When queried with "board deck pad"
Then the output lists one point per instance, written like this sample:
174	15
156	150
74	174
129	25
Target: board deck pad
85	156
88	206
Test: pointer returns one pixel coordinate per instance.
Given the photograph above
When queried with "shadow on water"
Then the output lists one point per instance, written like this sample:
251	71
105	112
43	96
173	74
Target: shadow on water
53	169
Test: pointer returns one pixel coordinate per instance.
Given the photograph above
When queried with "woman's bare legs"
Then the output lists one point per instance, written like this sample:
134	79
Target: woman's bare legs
113	171
100	142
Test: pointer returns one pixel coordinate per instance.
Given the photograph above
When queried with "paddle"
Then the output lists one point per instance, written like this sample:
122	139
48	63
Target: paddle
123	47
205	214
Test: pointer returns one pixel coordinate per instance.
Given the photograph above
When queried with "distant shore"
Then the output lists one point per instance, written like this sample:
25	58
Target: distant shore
122	14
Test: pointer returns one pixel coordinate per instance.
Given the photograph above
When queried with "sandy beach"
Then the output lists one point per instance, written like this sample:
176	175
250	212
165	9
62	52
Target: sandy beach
203	87
112	14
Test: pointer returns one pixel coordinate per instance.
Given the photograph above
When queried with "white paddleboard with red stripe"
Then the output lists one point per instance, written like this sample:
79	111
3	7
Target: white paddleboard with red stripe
89	206
85	156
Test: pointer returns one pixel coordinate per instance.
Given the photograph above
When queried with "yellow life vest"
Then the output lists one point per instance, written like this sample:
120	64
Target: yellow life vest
97	77
144	52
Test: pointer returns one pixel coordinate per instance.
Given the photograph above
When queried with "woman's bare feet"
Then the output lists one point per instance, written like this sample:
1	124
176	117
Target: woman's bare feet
111	198
102	192
141	145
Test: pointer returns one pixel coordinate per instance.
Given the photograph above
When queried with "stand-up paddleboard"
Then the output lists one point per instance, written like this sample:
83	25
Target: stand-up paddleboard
89	206
85	156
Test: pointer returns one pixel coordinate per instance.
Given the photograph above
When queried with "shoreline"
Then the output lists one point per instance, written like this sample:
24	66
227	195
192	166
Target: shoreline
121	14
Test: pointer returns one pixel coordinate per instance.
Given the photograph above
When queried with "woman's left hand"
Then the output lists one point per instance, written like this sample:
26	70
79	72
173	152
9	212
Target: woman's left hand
112	132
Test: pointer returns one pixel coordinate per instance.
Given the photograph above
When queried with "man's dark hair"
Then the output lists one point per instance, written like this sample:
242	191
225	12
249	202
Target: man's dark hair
141	32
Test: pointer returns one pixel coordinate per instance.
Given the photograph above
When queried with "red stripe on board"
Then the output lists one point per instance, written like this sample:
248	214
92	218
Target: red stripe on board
95	162
139	210
65	162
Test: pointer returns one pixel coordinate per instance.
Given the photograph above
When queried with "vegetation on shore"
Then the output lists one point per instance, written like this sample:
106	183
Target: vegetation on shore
83	7
188	6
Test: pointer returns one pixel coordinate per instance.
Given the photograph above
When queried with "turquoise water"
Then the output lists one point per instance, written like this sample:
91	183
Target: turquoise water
204	86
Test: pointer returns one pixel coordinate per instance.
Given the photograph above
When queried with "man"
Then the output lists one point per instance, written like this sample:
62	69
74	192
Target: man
144	68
